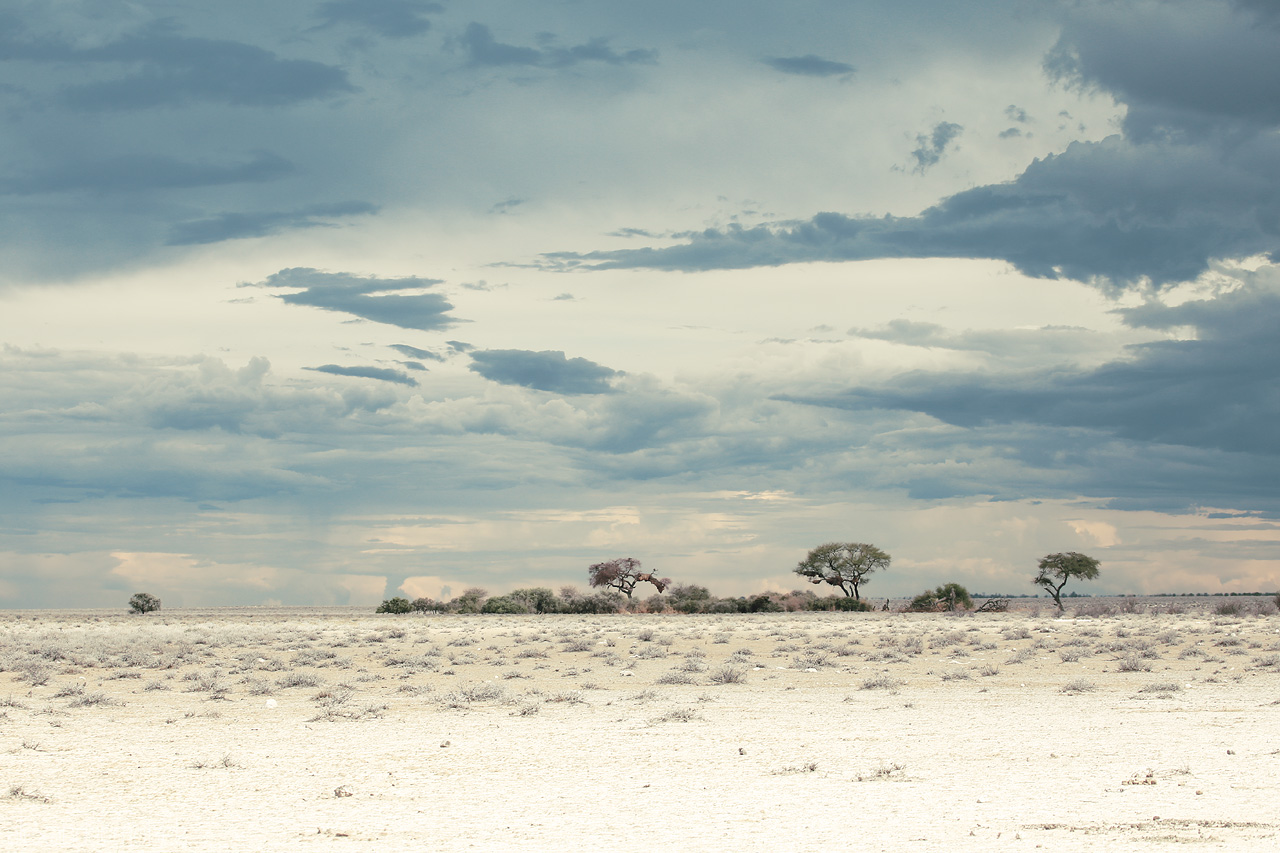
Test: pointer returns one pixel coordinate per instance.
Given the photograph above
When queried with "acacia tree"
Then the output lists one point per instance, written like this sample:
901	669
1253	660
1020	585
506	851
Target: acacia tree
1057	569
623	574
842	564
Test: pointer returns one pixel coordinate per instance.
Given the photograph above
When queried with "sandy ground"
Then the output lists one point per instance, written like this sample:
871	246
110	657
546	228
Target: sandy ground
309	730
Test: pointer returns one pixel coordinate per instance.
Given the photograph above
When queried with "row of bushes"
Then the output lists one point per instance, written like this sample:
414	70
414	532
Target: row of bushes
680	598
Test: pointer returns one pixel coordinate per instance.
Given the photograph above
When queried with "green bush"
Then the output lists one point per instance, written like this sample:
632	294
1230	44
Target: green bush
925	602
536	599
689	598
399	604
143	603
948	596
505	604
470	601
600	602
839	602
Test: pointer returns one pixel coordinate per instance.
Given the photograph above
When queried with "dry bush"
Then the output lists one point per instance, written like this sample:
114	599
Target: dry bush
1078	685
677	715
676	676
728	674
884	773
1134	662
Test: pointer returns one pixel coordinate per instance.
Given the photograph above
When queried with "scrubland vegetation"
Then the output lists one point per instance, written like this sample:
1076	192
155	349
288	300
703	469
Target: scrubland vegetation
260	716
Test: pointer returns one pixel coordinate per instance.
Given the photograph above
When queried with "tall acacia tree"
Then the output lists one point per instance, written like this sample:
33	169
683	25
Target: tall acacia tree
1057	569
842	564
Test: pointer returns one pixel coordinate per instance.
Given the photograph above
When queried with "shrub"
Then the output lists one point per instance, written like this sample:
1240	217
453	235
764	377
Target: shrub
728	675
470	601
948	596
1078	685
838	603
764	603
601	602
536	600
429	605
689	598
399	604
143	603
504	604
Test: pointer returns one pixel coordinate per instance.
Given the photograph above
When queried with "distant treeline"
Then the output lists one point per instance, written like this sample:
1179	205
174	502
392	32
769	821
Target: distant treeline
685	598
678	598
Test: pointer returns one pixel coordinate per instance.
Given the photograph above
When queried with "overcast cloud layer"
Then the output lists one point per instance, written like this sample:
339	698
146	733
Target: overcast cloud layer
321	302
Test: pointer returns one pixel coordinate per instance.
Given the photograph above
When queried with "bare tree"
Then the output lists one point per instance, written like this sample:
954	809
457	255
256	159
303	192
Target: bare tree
623	574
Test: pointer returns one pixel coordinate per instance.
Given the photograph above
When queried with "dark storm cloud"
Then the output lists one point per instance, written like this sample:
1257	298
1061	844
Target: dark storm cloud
173	70
484	50
1215	392
1195	177
1113	210
547	370
140	172
237	226
389	18
809	65
931	146
376	299
1178	66
383	374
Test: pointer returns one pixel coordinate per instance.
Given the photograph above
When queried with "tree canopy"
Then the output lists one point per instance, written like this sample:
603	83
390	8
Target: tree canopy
623	574
143	602
842	564
1057	569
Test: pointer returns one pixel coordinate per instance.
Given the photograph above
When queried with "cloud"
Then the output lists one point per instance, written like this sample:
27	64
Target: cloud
1194	178
142	172
376	299
931	146
1213	392
414	352
484	50
809	65
390	18
178	70
1112	210
547	370
1178	66
239	226
1016	113
383	374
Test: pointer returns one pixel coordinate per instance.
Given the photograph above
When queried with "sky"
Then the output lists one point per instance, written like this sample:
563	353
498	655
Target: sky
318	302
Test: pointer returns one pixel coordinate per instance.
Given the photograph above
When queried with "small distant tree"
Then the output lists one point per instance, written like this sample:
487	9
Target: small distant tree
399	604
504	604
428	605
623	574
471	600
143	603
689	598
1057	569
537	599
843	564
